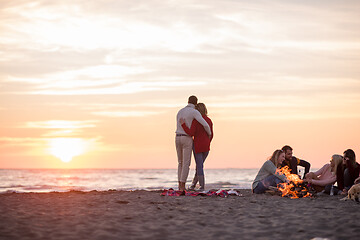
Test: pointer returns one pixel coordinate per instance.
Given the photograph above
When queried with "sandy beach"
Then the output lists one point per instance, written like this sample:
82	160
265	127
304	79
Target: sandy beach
148	215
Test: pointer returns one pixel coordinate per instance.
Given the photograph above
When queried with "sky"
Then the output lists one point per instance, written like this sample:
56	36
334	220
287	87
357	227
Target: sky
97	84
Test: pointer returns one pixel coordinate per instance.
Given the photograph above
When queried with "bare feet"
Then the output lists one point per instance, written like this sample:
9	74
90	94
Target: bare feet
182	186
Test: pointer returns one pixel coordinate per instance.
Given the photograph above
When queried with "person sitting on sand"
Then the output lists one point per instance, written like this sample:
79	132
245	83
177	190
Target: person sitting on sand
268	174
352	169
201	144
327	175
292	162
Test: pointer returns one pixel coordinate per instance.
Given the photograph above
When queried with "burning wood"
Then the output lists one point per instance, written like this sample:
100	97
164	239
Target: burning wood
295	188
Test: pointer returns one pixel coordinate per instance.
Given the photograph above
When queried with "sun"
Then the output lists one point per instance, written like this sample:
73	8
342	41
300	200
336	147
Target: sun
66	148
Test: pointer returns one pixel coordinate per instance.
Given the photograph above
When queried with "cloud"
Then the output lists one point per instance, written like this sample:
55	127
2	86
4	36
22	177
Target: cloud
126	88
60	128
75	26
62	124
81	48
102	106
225	48
126	114
20	62
62	133
35	145
21	141
97	80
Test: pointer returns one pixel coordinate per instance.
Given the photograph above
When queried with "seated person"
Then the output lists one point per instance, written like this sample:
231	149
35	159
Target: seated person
268	174
352	169
292	162
327	175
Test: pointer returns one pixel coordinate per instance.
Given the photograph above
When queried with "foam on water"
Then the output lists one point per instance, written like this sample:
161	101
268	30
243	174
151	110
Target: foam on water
62	180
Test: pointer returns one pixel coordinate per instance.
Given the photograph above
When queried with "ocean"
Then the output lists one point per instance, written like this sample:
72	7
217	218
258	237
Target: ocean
63	180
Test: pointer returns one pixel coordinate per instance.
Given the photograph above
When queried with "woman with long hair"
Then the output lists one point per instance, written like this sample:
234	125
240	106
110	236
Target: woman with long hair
351	169
325	177
268	174
201	146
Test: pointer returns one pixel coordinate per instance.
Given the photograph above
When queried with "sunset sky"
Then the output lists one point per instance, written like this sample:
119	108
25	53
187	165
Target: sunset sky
97	84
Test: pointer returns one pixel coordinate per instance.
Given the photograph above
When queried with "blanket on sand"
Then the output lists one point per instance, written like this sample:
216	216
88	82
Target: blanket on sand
220	193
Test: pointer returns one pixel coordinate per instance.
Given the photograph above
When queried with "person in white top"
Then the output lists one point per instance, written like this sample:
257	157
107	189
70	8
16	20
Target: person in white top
184	142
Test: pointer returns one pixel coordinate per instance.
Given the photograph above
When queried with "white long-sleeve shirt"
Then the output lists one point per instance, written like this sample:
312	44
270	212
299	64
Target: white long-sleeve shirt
189	113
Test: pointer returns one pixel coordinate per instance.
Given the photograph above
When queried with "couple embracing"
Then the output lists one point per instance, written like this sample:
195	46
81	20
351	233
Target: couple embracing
194	132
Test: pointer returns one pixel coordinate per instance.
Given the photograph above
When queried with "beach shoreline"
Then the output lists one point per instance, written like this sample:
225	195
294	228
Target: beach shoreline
148	215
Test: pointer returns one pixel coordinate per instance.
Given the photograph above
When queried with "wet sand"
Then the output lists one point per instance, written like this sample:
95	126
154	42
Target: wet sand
147	215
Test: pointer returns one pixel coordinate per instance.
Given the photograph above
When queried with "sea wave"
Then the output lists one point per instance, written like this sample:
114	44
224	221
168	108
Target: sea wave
58	180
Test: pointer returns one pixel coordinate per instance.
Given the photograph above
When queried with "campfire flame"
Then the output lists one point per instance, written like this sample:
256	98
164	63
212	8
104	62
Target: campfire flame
295	188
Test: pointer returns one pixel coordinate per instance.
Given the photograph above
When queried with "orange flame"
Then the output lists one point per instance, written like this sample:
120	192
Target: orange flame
288	189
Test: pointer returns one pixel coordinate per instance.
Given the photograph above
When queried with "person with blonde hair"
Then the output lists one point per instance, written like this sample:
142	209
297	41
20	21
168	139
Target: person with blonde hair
268	174
325	177
201	144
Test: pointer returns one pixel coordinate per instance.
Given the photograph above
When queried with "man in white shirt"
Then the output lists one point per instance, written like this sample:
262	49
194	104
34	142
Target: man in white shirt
184	142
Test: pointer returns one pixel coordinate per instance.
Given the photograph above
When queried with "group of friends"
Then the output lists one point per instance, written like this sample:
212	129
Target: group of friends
342	170
194	133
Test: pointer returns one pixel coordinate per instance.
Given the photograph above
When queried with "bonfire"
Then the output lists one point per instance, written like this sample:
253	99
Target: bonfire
295	188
